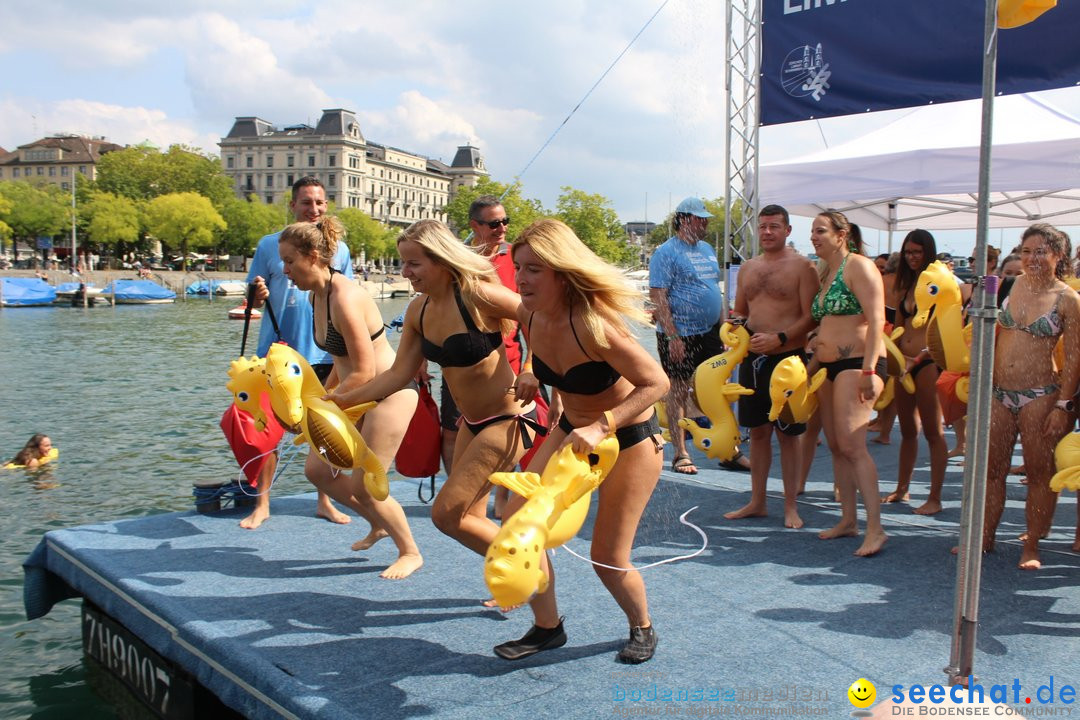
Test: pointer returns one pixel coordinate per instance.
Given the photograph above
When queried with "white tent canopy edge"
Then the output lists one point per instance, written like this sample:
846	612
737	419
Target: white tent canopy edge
922	170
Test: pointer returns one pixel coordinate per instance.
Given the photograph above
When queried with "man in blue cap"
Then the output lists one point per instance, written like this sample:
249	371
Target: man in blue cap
684	285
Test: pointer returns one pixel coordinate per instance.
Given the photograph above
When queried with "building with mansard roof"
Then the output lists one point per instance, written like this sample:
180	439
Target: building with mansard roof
391	185
55	159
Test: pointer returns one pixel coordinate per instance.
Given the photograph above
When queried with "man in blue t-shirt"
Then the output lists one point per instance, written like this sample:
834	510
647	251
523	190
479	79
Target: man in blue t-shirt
684	286
292	308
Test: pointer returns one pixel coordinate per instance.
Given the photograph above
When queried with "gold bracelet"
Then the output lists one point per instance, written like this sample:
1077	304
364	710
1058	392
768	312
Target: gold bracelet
610	422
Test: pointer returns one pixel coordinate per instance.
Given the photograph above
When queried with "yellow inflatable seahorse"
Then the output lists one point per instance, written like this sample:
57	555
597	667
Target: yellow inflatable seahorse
558	501
248	381
947	338
296	396
714	395
792	392
897	368
1067	459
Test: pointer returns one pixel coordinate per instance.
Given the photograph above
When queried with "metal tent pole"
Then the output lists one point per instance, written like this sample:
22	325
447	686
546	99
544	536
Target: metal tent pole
983	313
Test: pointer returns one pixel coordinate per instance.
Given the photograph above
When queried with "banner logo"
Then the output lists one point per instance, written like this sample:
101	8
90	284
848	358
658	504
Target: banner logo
805	73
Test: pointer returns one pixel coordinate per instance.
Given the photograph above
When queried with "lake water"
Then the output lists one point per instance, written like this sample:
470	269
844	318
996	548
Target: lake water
132	397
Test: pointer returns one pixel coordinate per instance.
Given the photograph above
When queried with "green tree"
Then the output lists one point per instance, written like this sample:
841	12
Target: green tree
187	220
366	236
110	220
594	221
521	211
247	221
5	229
34	210
142	172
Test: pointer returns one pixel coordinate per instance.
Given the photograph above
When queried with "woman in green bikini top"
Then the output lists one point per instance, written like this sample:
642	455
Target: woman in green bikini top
850	308
838	300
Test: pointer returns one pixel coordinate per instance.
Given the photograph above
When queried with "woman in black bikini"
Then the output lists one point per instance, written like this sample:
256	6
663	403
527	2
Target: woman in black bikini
917	251
458	322
606	382
851	309
348	325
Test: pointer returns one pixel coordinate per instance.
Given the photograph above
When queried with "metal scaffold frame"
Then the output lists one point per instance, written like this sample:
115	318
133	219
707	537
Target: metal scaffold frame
742	68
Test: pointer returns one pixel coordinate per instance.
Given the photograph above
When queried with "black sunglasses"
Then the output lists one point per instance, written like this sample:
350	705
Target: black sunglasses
494	224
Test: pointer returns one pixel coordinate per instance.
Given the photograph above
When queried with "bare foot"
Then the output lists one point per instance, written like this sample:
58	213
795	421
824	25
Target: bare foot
930	507
256	518
1017	470
748	510
956	451
372	537
403	567
792	519
842	529
898	495
1029	559
1076	545
881	440
872	544
331	513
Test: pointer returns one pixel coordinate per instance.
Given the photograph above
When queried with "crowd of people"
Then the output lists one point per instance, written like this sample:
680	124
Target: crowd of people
574	313
857	301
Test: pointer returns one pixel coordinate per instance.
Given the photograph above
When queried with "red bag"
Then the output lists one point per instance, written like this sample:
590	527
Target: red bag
248	443
419	454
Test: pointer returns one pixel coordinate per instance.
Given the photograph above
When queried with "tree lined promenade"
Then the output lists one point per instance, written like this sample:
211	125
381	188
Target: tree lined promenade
182	198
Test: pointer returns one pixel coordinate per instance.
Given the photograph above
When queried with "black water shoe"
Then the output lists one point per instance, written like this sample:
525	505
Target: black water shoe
640	647
534	641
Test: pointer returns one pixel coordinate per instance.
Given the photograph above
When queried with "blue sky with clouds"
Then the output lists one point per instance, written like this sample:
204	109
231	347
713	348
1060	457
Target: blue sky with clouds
423	76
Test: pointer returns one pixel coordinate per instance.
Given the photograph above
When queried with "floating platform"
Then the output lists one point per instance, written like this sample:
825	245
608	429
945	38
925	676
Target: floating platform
287	621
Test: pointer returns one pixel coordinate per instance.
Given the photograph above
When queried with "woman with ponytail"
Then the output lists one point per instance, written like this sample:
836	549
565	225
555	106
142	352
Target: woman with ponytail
850	308
348	325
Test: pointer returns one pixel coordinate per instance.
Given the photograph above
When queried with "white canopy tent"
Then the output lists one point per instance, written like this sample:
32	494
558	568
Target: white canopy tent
923	169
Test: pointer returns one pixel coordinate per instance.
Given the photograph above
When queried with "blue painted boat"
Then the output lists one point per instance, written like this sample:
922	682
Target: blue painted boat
26	292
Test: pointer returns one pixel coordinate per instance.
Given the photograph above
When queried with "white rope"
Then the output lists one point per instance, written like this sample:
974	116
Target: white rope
683	520
285	449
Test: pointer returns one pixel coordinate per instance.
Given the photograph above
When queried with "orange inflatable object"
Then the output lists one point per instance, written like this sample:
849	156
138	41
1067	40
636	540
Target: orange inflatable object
1014	13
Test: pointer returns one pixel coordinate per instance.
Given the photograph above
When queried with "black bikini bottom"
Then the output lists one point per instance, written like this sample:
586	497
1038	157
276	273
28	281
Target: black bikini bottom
525	421
834	368
628	436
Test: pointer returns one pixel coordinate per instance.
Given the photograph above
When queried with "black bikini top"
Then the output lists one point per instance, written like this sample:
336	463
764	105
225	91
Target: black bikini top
334	342
462	349
587	378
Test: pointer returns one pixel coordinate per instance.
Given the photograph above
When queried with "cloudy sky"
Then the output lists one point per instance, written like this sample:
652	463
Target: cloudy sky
423	76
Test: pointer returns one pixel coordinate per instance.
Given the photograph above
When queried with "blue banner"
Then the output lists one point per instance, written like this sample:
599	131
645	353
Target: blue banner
823	58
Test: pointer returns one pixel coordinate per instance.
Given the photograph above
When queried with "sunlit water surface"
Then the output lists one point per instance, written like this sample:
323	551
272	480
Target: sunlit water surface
132	397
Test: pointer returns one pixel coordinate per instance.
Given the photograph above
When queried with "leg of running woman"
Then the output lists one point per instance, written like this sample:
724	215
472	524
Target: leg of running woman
623	497
383	429
460	508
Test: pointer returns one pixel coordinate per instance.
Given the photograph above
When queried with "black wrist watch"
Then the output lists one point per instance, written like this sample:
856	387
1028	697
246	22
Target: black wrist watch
1067	405
783	337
